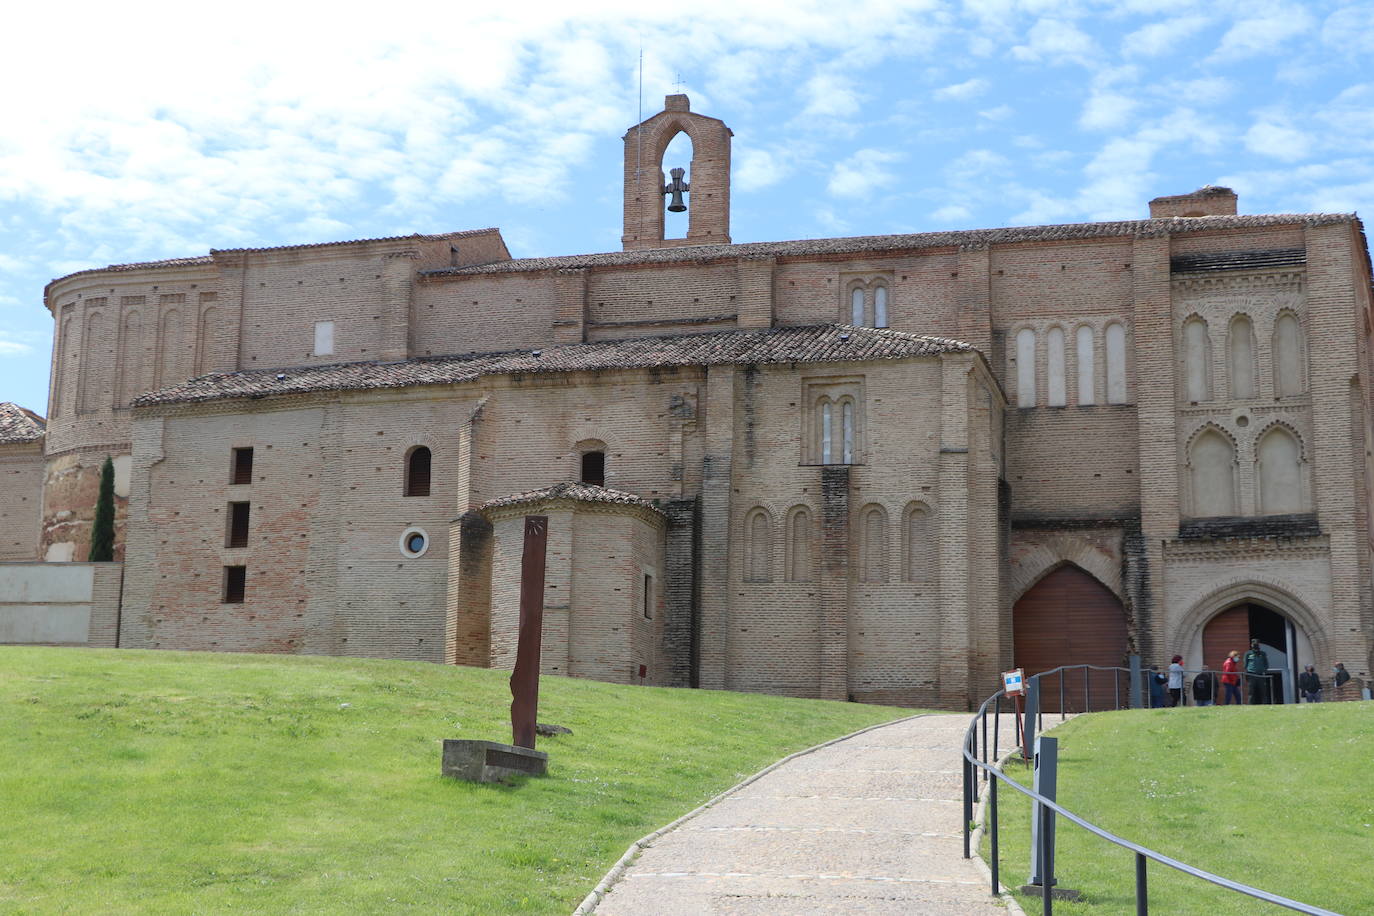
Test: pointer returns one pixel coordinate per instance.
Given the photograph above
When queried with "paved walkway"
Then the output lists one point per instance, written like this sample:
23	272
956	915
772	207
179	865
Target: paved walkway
870	825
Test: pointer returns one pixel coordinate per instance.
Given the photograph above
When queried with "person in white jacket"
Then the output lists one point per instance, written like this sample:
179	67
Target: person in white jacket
1176	681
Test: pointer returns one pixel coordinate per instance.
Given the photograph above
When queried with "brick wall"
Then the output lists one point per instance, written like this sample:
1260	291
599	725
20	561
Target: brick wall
21	499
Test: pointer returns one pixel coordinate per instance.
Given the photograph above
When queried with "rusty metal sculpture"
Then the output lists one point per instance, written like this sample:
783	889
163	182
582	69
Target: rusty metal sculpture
524	680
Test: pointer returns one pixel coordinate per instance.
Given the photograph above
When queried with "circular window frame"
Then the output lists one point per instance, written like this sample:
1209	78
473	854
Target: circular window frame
405	538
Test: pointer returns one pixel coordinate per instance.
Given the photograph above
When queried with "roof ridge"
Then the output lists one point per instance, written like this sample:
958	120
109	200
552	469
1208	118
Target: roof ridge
740	346
932	239
210	257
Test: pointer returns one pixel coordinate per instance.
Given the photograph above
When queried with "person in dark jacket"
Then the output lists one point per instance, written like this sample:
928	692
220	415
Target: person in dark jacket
1339	676
1256	665
1310	685
1204	687
1157	682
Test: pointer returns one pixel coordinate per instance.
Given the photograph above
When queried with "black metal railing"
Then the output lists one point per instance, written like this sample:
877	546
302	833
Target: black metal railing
983	755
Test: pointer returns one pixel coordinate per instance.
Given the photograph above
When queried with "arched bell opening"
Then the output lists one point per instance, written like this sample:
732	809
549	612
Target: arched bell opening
676	163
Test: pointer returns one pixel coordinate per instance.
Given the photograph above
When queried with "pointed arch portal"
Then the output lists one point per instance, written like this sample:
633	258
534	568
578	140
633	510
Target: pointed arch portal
1070	618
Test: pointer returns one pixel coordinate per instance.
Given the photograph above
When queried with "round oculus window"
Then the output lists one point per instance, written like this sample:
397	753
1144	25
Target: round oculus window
414	542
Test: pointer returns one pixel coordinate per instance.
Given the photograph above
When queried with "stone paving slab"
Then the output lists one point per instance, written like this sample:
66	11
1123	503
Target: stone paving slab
816	810
692	895
870	825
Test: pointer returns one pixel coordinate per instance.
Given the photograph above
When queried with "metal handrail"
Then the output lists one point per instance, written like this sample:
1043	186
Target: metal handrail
988	765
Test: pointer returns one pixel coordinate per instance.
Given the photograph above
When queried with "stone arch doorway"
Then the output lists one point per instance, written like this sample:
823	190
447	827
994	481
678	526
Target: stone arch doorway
1070	618
1281	638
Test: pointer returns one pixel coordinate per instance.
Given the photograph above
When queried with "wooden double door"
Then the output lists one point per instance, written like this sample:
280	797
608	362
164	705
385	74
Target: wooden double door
1070	618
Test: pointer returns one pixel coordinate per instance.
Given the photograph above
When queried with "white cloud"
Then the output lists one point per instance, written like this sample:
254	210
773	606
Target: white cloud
1159	38
960	92
19	343
1057	42
1107	111
1264	31
1278	141
1209	90
829	95
863	173
952	213
754	169
1000	113
1350	29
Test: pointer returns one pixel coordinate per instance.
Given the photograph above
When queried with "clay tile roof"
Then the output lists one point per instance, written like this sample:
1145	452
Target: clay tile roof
580	492
19	425
1238	260
210	259
878	243
802	344
466	233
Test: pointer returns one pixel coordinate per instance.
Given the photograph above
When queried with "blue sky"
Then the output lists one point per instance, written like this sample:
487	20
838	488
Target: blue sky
141	131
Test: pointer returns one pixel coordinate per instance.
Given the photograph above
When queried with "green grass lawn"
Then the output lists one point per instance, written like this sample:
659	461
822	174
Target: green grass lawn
1276	797
162	782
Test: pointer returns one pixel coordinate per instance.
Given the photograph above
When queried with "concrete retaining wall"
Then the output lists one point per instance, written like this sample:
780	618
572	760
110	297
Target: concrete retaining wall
61	604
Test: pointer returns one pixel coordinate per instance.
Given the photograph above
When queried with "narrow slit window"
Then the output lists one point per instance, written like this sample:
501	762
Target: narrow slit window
594	468
238	525
242	468
648	597
418	472
235	579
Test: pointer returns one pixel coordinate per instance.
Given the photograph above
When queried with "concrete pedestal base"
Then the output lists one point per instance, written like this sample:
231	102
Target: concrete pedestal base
491	761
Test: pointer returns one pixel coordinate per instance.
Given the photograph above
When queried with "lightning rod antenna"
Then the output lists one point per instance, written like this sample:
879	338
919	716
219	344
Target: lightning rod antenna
639	134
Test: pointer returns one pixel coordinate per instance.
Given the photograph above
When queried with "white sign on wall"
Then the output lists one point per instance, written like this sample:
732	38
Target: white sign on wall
1014	682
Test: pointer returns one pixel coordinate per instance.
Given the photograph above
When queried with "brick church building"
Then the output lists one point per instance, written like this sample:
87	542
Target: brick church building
881	468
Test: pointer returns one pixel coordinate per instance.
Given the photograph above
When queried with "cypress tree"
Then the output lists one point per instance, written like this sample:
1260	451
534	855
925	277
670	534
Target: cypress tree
102	531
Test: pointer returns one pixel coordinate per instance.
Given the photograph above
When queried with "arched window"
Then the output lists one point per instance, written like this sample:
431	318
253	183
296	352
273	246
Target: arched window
1054	364
1241	357
64	371
208	350
130	359
1025	368
91	393
758	547
1084	351
1288	371
594	468
880	306
874	565
856	307
1212	468
1197	360
1279	471
1116	363
918	548
171	346
847	431
417	471
799	550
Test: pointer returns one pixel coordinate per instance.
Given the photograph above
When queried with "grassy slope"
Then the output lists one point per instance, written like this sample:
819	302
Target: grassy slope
1275	797
176	782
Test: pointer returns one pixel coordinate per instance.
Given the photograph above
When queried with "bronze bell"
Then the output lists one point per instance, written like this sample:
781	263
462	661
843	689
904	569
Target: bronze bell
676	188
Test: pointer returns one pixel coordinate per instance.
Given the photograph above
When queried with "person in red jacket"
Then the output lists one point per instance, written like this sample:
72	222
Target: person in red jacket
1230	680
